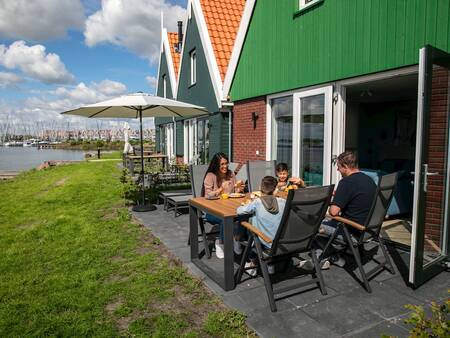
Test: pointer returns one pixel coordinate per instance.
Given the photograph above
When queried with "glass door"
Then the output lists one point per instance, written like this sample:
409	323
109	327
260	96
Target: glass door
429	242
312	135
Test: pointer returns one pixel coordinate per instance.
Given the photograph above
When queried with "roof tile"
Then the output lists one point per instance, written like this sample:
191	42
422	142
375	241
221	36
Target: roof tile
173	40
222	18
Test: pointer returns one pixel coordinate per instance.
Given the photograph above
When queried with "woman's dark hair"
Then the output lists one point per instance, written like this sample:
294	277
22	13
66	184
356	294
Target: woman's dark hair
214	167
281	167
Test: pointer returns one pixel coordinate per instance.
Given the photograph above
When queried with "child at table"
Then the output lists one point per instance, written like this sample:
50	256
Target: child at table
267	212
284	180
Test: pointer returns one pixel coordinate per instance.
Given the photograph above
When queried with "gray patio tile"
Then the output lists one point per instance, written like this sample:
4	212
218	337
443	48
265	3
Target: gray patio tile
292	323
342	314
254	299
383	301
382	328
435	289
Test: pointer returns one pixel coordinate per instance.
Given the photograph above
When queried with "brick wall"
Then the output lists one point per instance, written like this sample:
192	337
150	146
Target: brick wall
437	158
246	140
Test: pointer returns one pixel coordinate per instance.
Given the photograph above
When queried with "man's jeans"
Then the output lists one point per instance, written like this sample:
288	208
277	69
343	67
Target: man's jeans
329	227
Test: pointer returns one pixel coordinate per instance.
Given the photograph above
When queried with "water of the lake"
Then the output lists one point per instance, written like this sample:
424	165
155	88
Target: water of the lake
25	158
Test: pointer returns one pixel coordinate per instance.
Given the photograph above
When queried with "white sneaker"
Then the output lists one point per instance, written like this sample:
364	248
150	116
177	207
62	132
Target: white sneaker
237	247
271	269
250	269
325	264
219	250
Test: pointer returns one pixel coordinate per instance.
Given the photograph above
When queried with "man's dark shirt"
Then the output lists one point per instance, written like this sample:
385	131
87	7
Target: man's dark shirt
354	195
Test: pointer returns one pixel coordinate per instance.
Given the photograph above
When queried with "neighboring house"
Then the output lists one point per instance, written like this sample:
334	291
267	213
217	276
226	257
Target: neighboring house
169	63
206	47
312	78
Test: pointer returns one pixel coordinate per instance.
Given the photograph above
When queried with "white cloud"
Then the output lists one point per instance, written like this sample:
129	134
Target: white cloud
111	88
44	110
133	24
33	61
8	79
39	19
152	81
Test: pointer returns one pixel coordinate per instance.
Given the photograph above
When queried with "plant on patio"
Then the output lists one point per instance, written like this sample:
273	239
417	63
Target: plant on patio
437	325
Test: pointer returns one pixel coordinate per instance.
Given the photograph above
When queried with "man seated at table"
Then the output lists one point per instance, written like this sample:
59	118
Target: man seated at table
353	198
267	212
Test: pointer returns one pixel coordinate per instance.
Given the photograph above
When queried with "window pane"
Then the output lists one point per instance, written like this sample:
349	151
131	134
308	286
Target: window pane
311	143
201	144
282	129
206	160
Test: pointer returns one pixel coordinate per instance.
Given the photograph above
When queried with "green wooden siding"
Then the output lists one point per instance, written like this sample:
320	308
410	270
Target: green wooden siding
334	40
179	145
201	93
218	134
163	70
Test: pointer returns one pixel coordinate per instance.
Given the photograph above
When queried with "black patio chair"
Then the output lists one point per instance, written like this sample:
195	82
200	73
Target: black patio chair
305	209
256	170
198	173
369	232
242	174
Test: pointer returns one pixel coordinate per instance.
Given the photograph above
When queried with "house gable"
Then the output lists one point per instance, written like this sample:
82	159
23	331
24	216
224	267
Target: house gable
202	92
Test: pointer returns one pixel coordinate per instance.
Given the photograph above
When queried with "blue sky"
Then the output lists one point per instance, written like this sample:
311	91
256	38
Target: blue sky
77	52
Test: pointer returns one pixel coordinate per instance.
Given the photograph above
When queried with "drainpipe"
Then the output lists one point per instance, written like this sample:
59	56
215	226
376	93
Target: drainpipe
180	35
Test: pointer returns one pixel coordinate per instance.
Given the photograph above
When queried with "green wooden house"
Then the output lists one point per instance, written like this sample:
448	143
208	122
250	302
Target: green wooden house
312	78
198	56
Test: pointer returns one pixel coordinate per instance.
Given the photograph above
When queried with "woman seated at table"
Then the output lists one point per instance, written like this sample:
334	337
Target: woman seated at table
220	180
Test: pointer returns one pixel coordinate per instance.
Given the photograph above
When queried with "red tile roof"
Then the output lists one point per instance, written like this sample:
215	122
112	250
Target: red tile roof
223	18
173	40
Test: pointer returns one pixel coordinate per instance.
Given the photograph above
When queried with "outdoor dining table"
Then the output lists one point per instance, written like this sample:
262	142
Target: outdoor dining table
226	210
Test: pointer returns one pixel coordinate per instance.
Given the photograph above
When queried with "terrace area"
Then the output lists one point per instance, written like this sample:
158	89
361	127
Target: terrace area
346	311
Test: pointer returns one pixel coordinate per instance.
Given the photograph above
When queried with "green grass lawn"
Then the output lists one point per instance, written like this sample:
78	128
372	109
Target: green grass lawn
73	263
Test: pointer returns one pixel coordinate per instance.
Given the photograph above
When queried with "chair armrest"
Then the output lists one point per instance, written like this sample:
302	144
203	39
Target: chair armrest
256	231
348	222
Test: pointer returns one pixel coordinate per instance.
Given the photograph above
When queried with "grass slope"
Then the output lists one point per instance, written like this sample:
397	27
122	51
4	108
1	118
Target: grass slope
73	263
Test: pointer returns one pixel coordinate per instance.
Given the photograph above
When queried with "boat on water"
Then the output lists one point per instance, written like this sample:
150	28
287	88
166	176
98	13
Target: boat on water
31	142
13	144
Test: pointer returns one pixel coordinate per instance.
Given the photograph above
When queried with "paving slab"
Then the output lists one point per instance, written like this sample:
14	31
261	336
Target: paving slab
346	311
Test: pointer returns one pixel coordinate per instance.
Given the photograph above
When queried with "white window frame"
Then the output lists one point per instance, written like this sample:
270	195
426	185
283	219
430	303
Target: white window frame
164	78
327	90
190	141
302	4
170	139
193	58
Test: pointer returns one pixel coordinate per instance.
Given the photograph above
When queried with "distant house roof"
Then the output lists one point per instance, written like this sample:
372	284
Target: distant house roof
222	18
173	40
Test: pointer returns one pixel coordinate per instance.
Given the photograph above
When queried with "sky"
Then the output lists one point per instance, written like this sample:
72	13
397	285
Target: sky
57	55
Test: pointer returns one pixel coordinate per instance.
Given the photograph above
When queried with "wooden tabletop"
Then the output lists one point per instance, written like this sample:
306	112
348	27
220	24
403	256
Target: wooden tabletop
223	207
220	207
